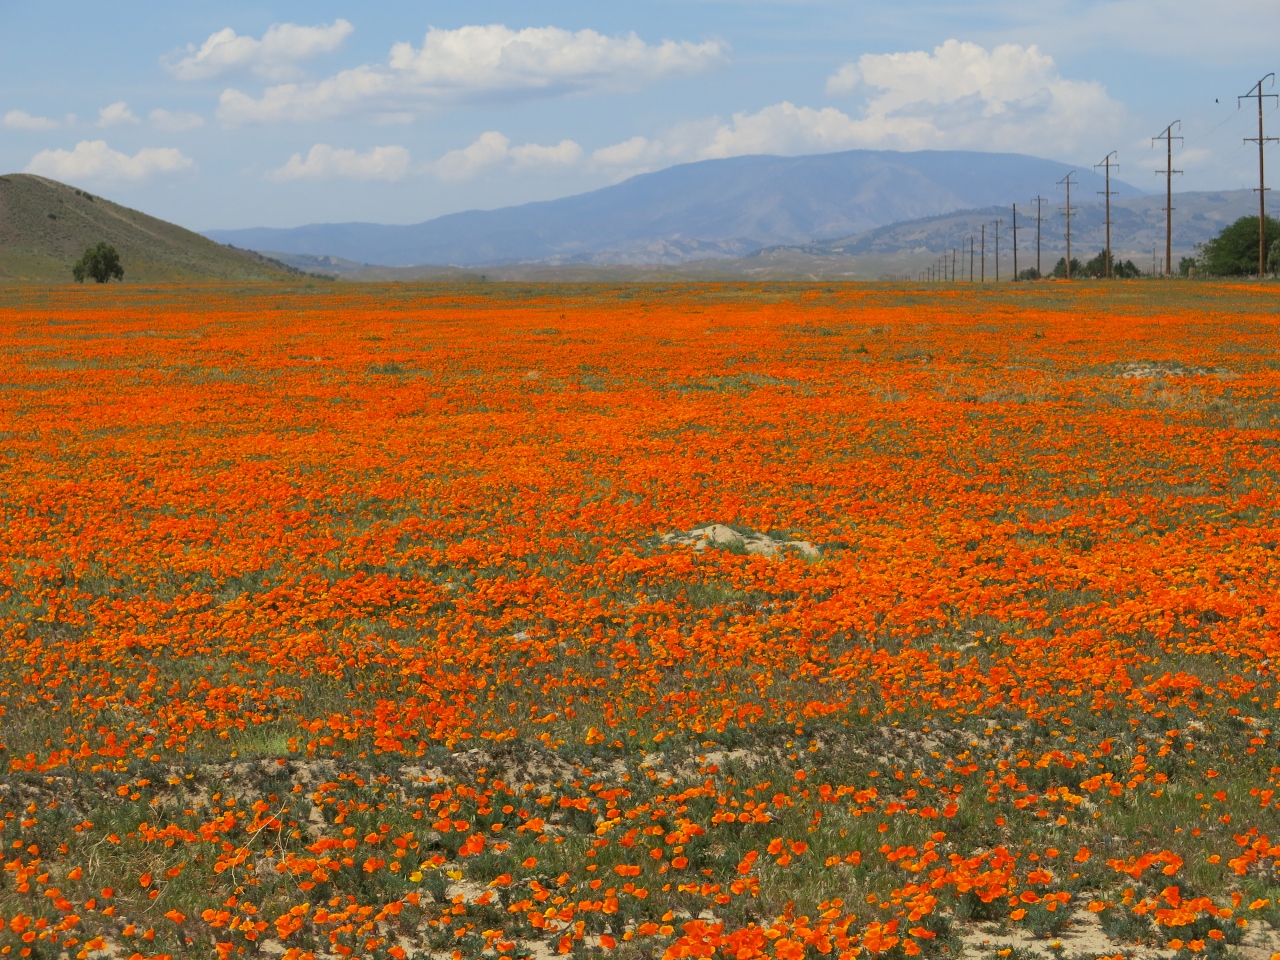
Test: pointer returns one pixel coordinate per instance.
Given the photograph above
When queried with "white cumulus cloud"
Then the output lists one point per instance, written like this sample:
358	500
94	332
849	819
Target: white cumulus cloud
94	160
563	154
962	95
323	162
116	114
21	120
174	121
478	62
629	153
488	150
275	57
495	57
959	96
492	150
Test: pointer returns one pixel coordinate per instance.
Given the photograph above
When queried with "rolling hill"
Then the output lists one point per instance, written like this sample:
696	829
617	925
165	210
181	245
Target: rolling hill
45	226
1137	226
711	209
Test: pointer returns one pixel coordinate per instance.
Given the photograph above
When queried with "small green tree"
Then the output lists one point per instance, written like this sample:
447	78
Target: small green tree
1273	258
1031	273
1234	251
1060	268
1097	267
99	264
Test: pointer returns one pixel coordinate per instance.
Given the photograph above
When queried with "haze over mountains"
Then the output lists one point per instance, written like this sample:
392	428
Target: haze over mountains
1137	226
856	215
712	209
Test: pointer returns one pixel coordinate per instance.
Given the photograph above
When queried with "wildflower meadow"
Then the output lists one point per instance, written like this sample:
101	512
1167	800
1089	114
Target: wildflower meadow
720	621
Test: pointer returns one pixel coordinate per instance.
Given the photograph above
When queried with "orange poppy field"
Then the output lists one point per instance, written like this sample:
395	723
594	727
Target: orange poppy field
718	621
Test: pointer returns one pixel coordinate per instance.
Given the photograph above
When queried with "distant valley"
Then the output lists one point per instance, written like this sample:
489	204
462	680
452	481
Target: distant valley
891	251
860	215
715	209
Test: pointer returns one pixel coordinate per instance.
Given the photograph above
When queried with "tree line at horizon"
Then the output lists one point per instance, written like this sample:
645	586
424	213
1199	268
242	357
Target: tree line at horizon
1232	253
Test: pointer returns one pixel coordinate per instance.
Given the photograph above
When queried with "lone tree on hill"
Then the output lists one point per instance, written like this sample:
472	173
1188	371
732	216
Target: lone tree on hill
1234	252
100	264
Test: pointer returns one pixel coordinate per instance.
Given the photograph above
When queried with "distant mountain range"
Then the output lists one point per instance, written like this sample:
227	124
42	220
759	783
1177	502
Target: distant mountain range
750	218
895	250
45	227
712	209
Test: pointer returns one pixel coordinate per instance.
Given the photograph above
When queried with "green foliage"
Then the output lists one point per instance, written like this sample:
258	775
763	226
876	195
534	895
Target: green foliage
1234	251
1123	925
99	264
1097	267
1060	268
1273	258
1031	273
1187	264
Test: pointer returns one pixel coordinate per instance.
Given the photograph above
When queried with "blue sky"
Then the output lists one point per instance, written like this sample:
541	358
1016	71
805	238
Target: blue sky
281	113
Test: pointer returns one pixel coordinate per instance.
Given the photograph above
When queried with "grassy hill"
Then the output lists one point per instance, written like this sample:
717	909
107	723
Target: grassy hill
45	227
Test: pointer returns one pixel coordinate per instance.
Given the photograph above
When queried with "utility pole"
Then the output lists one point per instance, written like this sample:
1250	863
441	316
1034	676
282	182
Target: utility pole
953	264
996	224
1168	172
1106	162
971	259
1256	93
1067	181
1040	202
984	254
1015	241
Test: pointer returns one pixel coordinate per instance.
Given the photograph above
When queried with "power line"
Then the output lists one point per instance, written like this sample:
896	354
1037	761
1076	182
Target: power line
1201	137
1039	202
1015	241
1067	181
1255	92
1168	172
996	223
1108	193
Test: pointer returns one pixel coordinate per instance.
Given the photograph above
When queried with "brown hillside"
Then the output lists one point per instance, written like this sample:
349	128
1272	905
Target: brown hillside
45	227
